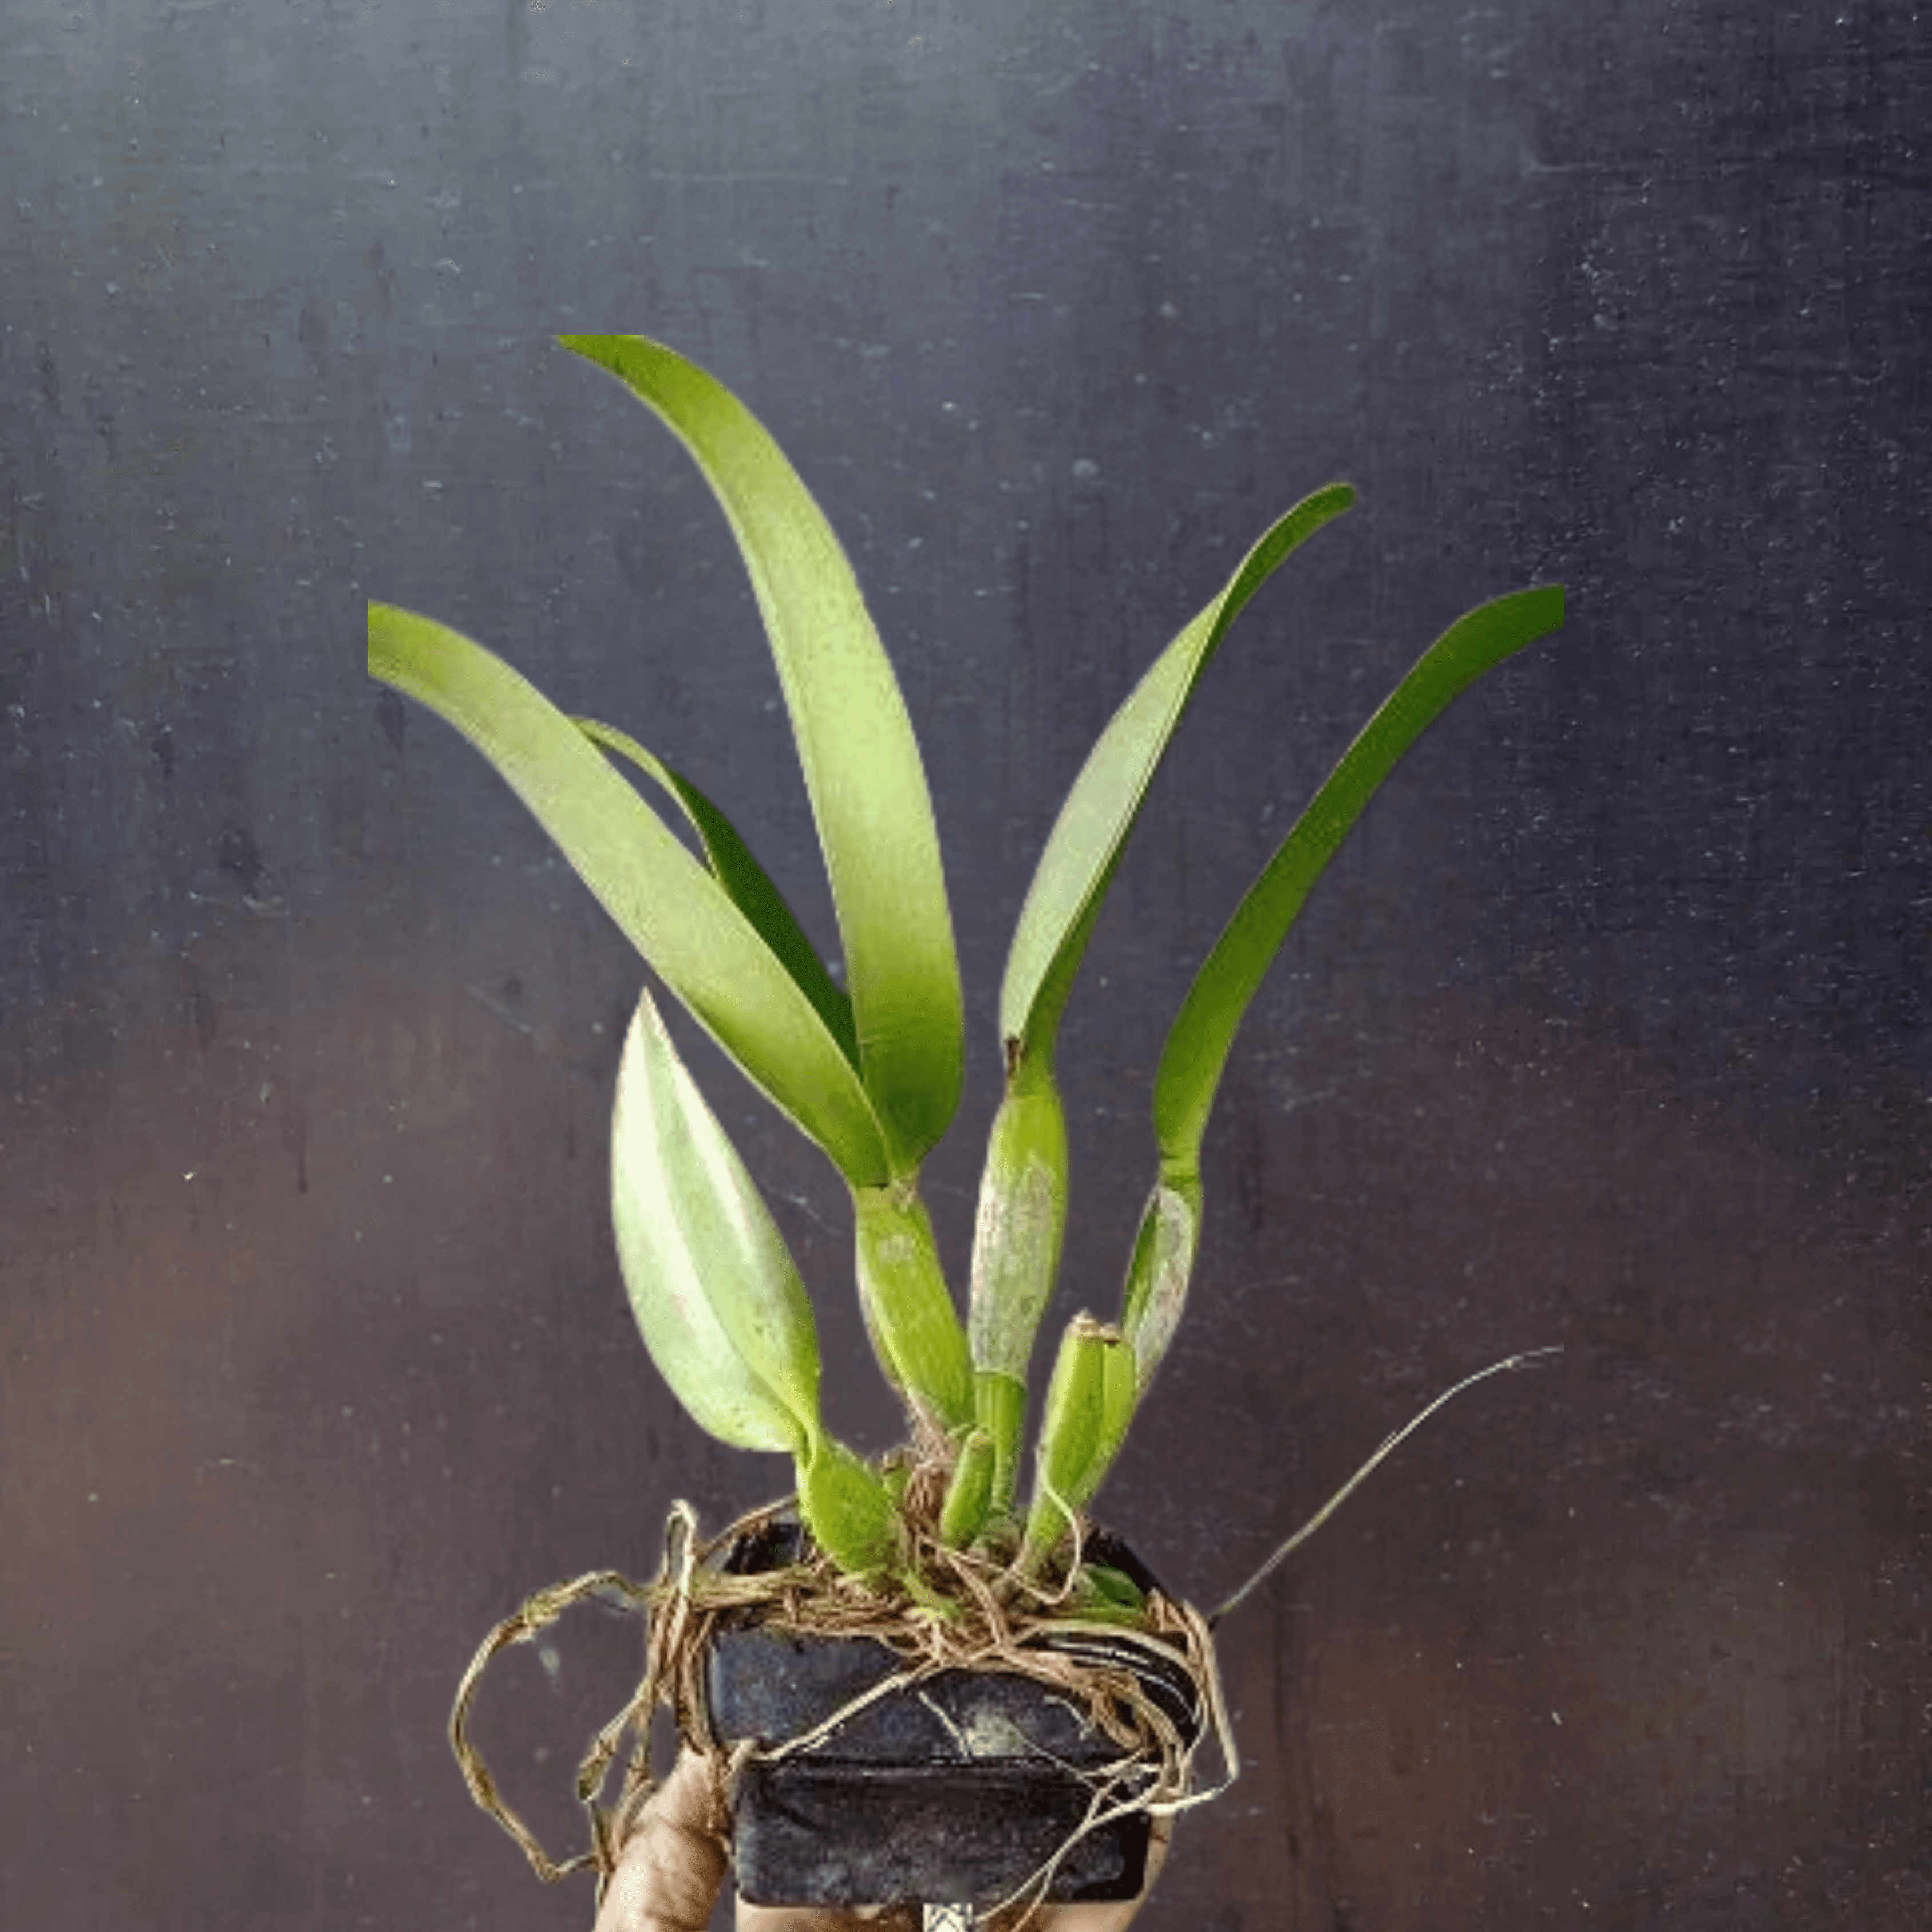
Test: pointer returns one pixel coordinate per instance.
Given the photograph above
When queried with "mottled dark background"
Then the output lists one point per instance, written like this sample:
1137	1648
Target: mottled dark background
1608	1029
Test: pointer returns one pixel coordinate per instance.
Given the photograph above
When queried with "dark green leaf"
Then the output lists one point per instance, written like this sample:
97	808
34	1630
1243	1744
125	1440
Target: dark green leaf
1085	845
1197	1046
668	905
855	741
749	885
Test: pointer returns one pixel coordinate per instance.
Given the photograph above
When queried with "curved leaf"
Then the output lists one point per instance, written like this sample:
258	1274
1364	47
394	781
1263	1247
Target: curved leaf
855	742
670	907
1084	847
1197	1045
720	1304
748	883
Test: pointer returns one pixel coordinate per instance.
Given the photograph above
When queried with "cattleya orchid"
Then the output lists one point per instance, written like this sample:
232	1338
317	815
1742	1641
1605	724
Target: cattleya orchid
868	1062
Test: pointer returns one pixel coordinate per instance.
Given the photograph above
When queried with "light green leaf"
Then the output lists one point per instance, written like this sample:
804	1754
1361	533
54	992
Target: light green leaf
748	883
1085	845
721	1305
849	1509
1197	1047
670	907
855	741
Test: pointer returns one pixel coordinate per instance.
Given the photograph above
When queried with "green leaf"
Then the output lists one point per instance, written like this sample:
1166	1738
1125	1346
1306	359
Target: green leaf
849	1509
747	882
1115	1587
855	742
720	1304
1085	845
670	907
1197	1046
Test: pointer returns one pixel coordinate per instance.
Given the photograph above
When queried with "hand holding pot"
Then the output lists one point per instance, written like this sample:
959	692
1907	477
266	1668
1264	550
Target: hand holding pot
673	1865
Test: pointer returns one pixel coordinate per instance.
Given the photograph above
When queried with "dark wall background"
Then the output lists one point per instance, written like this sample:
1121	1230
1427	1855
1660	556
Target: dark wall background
1608	1029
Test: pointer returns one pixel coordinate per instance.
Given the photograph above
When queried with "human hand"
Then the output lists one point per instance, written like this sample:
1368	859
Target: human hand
673	1866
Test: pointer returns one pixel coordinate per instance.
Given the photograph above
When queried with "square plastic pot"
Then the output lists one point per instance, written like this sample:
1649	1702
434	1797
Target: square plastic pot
956	1789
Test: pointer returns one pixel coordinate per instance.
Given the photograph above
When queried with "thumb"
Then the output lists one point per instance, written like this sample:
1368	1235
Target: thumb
673	1864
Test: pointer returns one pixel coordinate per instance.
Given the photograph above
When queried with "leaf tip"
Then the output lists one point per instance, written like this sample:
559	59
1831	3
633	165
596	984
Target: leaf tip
602	350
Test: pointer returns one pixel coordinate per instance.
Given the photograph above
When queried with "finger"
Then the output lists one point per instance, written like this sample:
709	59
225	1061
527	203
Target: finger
1160	1836
672	1865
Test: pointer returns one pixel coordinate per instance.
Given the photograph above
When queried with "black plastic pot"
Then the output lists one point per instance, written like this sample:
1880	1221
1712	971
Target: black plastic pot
956	1789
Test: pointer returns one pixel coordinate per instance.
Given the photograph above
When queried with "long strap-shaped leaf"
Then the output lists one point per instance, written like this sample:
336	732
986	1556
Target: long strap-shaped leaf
861	762
735	868
1197	1044
1084	847
670	907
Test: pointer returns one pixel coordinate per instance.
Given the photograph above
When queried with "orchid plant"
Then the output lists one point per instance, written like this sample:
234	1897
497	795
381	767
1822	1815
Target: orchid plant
868	1062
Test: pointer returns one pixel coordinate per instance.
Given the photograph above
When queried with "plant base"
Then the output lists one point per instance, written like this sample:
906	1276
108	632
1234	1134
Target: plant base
870	1783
